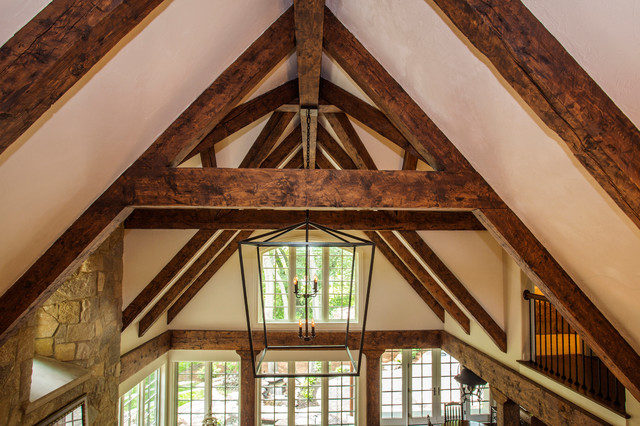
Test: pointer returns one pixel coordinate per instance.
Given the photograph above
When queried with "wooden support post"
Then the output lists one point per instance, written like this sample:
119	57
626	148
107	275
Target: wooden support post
247	389
508	412
373	386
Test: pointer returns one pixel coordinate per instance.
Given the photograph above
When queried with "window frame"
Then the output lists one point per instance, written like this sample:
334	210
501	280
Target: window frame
141	400
208	383
323	291
437	415
324	394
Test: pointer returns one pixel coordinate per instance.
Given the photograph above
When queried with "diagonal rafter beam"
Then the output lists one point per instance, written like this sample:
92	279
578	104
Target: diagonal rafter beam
53	51
178	140
247	113
183	281
109	210
351	141
164	277
457	289
268	137
558	90
206	275
284	150
334	150
366	114
427	280
407	275
427	139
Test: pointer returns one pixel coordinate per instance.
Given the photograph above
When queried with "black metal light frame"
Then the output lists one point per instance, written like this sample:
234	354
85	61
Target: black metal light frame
344	240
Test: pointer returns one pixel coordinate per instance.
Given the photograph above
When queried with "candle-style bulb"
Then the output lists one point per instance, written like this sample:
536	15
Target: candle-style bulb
313	328
295	284
315	283
300	328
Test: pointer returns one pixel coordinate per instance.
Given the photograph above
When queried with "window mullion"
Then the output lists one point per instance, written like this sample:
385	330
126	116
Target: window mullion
207	388
292	273
325	394
141	405
291	394
325	283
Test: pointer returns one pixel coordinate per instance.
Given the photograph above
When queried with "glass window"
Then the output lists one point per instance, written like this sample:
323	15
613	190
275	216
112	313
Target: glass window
481	406
392	384
75	417
140	405
421	383
191	389
225	392
208	387
282	266
449	387
307	400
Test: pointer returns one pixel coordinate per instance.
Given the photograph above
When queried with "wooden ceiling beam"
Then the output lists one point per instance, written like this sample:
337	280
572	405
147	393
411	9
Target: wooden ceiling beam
335	151
351	141
247	113
255	188
53	51
284	150
208	158
565	295
422	133
456	288
323	162
164	277
237	81
206	275
558	90
309	127
409	161
183	281
383	220
295	162
407	275
427	280
364	113
267	139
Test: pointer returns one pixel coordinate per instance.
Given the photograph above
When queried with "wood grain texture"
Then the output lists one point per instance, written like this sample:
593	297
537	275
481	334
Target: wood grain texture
62	259
239	340
309	18
323	162
245	114
384	220
225	92
456	288
335	151
407	275
390	97
206	275
53	51
248	405
535	398
164	277
565	295
284	150
364	189
267	139
208	158
351	141
558	90
366	114
183	281
309	128
409	161
372	391
143	355
427	280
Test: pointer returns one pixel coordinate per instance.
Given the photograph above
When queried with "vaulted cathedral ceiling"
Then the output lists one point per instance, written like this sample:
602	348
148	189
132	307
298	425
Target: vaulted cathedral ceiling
472	113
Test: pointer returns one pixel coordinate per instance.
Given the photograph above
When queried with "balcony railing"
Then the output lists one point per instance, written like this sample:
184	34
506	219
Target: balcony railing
558	352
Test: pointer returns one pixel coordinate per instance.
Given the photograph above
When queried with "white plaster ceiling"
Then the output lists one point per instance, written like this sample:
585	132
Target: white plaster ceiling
105	122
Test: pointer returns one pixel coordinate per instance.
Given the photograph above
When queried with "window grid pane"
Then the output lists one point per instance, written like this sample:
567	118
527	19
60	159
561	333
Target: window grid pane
481	406
391	380
191	384
130	406
340	269
342	395
449	387
308	395
421	383
150	405
275	284
73	418
225	381
315	270
274	404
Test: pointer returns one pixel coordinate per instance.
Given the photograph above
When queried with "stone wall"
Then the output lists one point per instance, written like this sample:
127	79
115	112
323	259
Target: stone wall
79	324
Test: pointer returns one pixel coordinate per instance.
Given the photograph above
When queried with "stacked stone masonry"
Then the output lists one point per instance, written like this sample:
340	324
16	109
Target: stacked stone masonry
79	324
